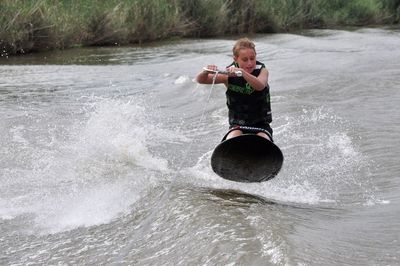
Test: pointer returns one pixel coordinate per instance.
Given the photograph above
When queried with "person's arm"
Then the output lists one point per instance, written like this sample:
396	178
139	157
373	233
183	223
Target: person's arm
205	77
258	83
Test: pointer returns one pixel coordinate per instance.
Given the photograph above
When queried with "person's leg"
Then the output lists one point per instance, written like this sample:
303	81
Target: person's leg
234	133
264	135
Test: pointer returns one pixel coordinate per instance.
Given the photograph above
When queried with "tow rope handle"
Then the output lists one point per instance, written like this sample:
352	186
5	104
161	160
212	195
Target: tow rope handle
237	73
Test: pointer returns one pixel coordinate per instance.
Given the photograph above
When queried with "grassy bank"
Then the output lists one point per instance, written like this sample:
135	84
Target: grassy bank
37	25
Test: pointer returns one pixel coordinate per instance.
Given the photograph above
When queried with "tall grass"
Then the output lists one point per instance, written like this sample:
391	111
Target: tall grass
29	25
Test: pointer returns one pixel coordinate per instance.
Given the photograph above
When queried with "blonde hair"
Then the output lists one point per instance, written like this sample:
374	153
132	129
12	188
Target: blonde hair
243	43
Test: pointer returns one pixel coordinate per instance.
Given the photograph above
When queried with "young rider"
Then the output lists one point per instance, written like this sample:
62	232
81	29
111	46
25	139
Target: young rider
248	97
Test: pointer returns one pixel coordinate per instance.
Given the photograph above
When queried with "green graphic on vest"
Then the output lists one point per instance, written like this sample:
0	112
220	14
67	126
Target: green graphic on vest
245	90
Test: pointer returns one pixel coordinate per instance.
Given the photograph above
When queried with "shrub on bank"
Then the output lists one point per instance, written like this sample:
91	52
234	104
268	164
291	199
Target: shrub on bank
28	25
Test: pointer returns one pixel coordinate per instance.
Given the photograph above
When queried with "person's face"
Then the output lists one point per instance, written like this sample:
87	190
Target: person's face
246	59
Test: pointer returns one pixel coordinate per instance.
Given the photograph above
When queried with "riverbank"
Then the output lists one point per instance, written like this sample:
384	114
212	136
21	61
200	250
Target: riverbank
32	26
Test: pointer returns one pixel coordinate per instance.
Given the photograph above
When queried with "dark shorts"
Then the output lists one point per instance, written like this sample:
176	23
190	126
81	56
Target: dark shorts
253	129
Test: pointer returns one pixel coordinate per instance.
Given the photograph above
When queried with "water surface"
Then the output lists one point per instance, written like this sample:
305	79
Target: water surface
105	156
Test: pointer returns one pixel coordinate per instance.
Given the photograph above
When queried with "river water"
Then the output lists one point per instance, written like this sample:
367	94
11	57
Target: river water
105	156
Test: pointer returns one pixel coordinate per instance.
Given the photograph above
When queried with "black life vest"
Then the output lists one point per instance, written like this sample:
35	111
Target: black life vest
246	105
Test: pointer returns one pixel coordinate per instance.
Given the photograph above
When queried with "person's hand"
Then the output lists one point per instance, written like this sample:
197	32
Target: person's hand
210	69
233	71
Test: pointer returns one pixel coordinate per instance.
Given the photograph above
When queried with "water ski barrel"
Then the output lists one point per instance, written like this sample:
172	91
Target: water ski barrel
247	158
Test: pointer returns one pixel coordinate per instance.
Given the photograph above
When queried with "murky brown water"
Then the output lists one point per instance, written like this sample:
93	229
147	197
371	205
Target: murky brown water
104	156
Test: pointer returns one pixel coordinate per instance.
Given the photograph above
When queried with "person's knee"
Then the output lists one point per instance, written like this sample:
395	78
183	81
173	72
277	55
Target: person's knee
234	133
264	135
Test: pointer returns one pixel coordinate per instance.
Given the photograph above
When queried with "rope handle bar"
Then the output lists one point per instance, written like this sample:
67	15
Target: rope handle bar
237	73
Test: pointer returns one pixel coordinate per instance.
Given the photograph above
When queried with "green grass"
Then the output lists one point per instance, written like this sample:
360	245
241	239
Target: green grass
29	25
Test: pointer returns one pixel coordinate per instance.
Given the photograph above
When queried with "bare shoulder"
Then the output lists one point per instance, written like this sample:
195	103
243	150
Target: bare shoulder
264	70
